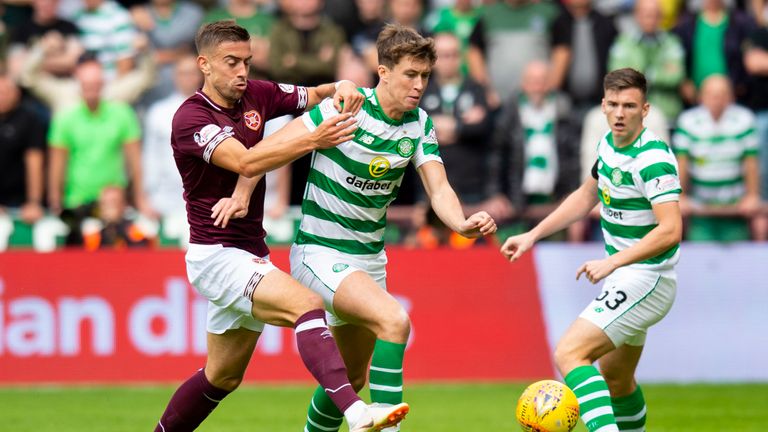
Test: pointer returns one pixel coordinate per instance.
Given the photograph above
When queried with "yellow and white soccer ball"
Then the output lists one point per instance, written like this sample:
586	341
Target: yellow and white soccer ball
547	406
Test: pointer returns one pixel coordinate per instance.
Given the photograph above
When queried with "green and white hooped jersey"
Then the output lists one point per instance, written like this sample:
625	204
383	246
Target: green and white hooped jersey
716	150
350	187
630	180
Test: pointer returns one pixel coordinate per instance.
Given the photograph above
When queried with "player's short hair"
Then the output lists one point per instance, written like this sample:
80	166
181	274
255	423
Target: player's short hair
218	32
396	42
626	78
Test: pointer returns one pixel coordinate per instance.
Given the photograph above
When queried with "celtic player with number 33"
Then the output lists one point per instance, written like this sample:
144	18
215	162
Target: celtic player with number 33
339	250
636	180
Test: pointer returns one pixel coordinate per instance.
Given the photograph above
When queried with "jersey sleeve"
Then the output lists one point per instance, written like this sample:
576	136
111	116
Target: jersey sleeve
283	99
57	134
750	141
318	113
681	140
131	129
427	149
659	180
196	132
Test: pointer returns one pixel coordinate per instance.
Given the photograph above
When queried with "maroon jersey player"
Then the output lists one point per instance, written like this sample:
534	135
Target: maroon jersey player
217	143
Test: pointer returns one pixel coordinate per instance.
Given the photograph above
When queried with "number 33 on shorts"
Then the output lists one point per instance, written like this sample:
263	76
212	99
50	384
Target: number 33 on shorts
632	300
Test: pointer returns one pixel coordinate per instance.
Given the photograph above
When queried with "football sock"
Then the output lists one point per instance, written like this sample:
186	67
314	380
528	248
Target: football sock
594	398
386	376
321	356
191	404
322	415
630	411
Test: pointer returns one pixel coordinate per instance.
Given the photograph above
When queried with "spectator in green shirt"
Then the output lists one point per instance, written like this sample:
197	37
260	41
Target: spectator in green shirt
91	144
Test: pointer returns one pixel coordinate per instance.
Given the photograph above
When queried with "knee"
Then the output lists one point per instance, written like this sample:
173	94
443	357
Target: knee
226	382
395	326
565	359
309	302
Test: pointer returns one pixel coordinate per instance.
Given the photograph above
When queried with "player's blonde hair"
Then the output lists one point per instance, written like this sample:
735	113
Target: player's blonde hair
396	41
218	32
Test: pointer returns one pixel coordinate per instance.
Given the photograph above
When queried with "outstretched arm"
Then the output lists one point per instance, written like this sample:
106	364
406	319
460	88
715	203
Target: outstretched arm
282	147
575	207
447	206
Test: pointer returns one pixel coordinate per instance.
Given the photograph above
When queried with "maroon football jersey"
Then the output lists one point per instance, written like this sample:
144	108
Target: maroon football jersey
198	127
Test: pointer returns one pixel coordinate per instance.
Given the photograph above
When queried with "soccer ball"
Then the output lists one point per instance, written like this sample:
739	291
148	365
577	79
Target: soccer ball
547	406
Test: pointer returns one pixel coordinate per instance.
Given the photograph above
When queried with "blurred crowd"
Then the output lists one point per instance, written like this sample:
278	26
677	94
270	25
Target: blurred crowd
88	89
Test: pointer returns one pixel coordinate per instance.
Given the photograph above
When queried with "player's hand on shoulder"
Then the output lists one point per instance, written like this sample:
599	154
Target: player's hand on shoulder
335	130
515	246
226	209
477	225
348	97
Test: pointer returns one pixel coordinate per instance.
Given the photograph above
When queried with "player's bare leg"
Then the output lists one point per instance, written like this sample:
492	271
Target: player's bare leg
228	357
618	368
582	344
360	301
377	324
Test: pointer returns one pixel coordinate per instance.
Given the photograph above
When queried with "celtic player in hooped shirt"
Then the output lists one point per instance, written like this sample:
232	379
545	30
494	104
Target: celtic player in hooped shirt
636	180
339	250
217	143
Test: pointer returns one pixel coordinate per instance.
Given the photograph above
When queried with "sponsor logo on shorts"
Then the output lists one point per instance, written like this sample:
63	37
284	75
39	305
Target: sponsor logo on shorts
599	309
616	176
339	267
378	166
405	147
368	184
252	120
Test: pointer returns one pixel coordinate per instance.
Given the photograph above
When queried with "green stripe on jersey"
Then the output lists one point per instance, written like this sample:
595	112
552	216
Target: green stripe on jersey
342	245
632	150
327	184
607	172
358	168
717	183
309	207
626	231
657	170
626	203
658	259
715	139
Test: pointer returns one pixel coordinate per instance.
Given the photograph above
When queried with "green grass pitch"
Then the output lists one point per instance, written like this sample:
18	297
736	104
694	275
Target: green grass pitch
435	408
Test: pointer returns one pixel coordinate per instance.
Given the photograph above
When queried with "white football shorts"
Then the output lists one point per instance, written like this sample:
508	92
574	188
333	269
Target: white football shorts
227	277
631	301
322	269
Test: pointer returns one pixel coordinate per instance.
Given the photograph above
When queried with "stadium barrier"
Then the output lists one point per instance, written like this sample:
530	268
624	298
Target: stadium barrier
116	317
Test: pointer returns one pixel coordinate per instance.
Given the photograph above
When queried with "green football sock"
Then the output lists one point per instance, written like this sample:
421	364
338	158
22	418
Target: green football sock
594	398
386	379
322	415
630	411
